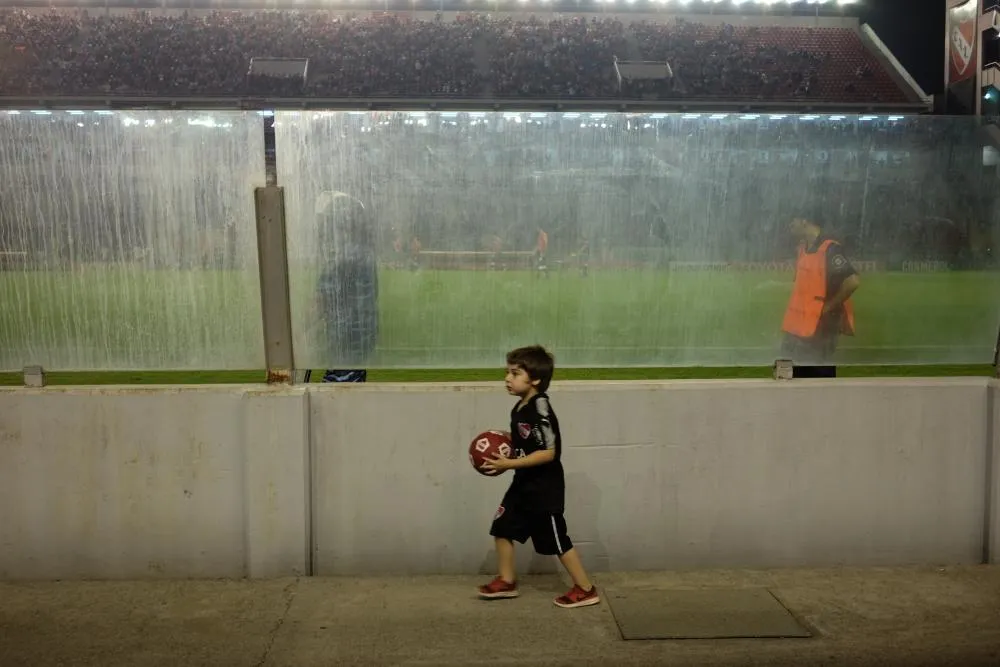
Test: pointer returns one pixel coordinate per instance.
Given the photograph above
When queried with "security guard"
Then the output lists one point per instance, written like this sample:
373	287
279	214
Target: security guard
820	308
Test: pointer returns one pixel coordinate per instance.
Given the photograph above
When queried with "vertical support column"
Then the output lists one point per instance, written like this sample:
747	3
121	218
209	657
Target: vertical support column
991	515
996	355
272	261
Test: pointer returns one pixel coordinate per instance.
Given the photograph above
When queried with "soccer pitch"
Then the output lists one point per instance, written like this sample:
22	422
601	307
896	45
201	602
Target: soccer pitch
204	325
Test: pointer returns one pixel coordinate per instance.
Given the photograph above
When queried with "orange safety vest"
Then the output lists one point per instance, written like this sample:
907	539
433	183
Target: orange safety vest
543	242
809	294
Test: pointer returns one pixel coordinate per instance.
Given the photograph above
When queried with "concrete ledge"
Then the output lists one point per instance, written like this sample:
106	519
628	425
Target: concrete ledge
233	481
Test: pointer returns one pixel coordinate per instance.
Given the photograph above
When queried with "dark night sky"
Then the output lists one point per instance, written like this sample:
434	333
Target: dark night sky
914	32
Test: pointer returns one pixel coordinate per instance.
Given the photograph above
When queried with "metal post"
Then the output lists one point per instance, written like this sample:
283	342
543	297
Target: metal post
272	262
996	356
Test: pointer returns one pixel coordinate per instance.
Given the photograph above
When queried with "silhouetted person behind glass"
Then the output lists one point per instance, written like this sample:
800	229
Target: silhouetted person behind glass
347	291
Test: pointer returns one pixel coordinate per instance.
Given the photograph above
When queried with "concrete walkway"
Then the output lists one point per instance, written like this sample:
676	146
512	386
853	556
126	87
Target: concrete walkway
900	616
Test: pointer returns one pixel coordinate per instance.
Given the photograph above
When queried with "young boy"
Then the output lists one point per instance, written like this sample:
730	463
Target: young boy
533	505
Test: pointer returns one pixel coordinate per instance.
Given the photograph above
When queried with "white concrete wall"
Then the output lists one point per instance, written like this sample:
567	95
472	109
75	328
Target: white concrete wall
151	482
394	490
663	474
991	528
240	481
276	482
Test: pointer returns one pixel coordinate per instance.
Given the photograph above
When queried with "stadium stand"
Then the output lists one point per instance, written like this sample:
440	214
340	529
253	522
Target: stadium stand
466	55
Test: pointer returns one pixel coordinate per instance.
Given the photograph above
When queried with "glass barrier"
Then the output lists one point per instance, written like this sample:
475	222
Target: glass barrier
636	239
127	240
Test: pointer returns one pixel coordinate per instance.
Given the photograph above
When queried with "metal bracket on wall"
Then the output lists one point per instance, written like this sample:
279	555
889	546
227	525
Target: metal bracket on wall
783	369
34	376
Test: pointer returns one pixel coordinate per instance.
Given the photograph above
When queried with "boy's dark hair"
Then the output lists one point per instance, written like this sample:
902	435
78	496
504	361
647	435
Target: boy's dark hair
536	361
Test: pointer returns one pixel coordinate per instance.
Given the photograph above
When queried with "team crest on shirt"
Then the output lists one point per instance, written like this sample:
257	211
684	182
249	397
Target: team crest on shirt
524	430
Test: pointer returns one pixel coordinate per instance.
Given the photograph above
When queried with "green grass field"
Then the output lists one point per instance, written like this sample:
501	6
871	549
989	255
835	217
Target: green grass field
170	326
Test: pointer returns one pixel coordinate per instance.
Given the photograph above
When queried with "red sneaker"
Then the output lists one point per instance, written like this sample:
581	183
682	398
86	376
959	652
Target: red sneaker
498	588
577	597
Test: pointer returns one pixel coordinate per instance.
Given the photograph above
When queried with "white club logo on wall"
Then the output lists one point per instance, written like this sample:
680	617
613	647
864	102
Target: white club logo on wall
962	40
961	45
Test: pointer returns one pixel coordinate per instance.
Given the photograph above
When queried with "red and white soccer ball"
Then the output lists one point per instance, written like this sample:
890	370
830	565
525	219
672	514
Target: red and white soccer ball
488	445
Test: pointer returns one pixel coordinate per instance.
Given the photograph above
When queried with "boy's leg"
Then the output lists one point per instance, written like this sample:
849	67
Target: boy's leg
507	527
505	559
550	538
574	567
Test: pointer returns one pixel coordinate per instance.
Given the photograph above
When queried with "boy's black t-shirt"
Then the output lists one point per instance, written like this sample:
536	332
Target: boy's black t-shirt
541	488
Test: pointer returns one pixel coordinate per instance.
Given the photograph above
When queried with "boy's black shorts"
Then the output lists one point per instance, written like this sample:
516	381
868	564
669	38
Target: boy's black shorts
547	531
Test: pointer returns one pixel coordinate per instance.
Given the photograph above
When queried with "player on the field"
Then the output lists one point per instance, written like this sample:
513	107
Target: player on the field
533	505
583	255
541	249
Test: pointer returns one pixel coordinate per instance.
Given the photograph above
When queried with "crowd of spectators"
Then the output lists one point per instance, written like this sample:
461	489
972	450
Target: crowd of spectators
420	55
572	57
743	62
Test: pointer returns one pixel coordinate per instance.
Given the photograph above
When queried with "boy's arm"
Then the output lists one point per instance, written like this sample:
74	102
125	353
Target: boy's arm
533	459
545	437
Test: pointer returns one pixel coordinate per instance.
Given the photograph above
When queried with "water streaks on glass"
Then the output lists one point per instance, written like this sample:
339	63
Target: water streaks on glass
667	234
127	240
